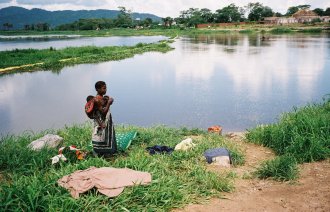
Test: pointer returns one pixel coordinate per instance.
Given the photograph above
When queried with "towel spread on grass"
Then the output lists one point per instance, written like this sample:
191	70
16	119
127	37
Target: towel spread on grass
108	181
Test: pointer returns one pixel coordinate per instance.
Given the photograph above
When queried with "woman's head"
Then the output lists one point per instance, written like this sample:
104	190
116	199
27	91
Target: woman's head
101	87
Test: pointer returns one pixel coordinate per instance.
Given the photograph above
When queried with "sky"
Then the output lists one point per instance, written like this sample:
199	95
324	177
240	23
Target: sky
162	8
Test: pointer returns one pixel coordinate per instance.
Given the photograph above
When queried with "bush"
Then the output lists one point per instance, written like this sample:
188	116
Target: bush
302	135
280	30
281	168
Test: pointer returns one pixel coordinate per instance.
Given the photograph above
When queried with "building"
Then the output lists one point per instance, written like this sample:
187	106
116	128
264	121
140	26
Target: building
325	18
280	20
303	16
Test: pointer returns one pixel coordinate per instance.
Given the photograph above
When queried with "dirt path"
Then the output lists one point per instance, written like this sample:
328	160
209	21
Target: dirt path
311	192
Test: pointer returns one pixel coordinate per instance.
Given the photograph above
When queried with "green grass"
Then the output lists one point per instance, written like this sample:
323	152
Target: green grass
51	58
303	134
281	168
29	179
281	30
247	31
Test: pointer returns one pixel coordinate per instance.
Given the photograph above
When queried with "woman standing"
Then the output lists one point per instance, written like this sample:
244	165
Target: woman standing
103	136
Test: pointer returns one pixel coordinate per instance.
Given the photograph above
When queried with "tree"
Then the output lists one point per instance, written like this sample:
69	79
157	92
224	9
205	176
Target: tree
327	12
319	11
42	26
258	12
147	22
304	6
7	26
277	14
191	17
207	15
231	13
292	10
168	21
124	18
27	27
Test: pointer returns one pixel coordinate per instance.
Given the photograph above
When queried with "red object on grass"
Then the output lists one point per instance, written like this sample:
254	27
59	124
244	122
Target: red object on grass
215	128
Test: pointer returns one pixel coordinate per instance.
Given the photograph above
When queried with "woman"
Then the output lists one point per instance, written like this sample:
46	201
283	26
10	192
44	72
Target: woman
103	137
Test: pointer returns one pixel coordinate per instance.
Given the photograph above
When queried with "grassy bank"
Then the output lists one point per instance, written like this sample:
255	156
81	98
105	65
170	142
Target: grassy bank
302	135
33	59
28	180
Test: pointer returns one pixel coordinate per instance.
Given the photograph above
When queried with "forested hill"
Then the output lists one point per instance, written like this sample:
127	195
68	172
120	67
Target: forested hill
18	16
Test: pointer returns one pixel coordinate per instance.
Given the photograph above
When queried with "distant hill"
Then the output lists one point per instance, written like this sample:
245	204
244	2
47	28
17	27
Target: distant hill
19	16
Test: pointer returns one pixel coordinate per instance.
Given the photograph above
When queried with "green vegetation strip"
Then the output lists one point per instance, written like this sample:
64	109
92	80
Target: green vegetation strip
28	180
53	59
302	135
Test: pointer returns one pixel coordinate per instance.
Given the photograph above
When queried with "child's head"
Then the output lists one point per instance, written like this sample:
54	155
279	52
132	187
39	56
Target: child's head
100	87
90	97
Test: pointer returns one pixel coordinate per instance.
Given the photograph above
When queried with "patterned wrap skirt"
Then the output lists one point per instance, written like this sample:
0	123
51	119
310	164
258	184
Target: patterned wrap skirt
104	140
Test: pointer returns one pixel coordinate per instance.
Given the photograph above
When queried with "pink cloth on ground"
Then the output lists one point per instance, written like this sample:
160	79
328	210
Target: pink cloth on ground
109	181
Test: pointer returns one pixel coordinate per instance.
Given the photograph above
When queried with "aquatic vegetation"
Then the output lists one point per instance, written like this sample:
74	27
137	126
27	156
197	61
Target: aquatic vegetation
50	59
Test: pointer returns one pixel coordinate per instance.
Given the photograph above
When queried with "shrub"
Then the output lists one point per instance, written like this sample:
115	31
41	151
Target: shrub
281	168
302	135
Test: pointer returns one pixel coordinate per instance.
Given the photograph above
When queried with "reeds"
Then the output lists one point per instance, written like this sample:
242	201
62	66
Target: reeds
303	134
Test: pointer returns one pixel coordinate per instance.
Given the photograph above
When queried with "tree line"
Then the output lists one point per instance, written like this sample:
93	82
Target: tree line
252	12
232	13
123	20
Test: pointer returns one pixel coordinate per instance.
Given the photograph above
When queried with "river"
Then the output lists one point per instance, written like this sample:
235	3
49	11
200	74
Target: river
236	81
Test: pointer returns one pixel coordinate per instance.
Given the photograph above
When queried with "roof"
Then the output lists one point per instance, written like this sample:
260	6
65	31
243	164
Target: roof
271	18
304	12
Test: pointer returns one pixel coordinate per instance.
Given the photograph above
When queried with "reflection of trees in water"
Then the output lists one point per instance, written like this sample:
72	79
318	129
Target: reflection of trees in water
302	42
223	39
228	40
260	40
230	43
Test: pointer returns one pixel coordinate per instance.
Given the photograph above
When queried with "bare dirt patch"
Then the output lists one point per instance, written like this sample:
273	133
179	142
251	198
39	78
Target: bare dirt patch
311	192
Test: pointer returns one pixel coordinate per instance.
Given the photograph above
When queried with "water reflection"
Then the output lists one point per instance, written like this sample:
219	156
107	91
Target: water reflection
237	82
74	41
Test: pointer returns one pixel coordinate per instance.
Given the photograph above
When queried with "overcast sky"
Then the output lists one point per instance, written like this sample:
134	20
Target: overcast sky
161	8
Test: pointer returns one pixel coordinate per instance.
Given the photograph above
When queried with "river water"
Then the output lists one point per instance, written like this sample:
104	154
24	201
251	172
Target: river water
58	42
236	81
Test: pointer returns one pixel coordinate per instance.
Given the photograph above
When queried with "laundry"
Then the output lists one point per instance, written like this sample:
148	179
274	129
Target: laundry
157	149
219	156
185	145
215	129
47	141
57	158
71	152
108	181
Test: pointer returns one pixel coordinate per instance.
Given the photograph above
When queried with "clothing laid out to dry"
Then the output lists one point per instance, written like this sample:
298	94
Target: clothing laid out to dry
158	149
218	156
108	181
185	145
